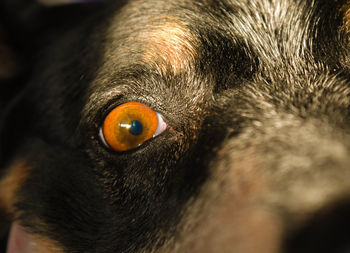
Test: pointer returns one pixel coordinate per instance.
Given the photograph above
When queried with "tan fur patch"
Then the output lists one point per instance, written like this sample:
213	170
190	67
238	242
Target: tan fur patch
45	245
9	186
21	240
10	183
168	43
346	16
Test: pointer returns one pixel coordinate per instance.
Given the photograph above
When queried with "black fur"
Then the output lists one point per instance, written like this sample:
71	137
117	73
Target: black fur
268	80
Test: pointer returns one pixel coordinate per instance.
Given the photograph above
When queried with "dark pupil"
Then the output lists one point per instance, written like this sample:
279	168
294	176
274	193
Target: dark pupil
135	127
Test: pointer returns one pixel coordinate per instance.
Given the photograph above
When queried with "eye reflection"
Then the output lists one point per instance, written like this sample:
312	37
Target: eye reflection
135	127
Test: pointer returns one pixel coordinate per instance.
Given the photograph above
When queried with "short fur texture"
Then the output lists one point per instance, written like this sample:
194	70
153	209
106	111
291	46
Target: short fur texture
256	156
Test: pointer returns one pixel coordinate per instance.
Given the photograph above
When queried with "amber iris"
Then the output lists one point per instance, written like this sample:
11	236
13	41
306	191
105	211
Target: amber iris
129	125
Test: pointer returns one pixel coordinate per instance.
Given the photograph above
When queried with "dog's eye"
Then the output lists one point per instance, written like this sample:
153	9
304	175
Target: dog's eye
129	125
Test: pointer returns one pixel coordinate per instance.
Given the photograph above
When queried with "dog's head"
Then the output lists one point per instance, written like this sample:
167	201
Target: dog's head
181	126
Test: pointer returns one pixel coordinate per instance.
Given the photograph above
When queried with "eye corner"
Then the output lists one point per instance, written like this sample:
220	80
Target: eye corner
162	125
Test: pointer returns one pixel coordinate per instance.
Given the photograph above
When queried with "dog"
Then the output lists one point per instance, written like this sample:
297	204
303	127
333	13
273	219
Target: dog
177	126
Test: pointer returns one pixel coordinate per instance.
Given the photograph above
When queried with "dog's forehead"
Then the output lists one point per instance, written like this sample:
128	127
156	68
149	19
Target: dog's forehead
159	37
173	34
167	42
226	38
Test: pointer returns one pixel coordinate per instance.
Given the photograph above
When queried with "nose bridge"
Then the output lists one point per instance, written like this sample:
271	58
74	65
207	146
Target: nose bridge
307	165
298	171
308	174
